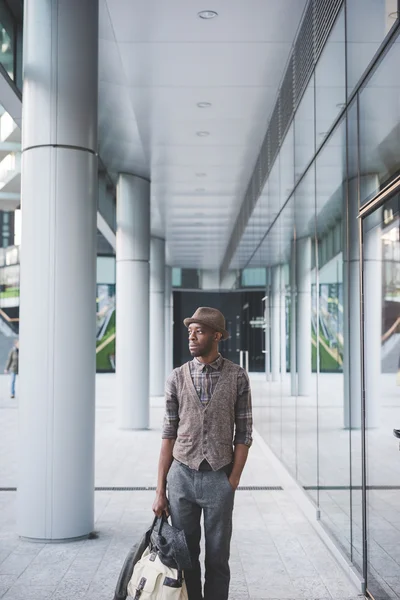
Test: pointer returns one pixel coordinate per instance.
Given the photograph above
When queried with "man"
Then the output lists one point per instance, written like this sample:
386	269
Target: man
208	411
12	366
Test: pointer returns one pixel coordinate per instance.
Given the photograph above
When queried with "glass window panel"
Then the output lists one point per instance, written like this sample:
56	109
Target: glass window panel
304	131
7	39
334	468
379	113
287	165
368	22
381	293
330	80
306	424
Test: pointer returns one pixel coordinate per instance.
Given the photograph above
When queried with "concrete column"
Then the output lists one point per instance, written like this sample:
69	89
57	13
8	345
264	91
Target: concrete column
55	499
293	320
132	302
351	300
157	316
303	317
275	322
169	322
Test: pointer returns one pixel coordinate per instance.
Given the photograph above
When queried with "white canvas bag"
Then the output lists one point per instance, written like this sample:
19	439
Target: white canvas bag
152	580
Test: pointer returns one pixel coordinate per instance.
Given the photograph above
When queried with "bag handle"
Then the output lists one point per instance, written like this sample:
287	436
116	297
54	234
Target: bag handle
163	520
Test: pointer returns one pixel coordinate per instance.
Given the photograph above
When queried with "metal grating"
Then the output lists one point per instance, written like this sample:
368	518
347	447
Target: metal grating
287	97
265	161
275	131
303	53
241	488
325	13
318	20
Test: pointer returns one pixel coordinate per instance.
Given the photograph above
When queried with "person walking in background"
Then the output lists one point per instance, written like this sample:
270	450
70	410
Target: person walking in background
12	365
206	438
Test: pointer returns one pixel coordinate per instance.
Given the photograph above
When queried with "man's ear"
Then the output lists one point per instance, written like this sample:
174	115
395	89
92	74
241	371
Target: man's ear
218	336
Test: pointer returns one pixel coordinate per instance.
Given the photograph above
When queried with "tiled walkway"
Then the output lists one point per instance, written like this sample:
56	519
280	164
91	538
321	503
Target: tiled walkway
275	551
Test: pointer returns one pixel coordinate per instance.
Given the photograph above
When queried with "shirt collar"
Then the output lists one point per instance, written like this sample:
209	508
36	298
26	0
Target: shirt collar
216	364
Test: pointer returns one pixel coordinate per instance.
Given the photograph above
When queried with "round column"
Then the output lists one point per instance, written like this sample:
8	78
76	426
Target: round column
304	364
132	302
55	499
157	316
275	323
352	350
169	321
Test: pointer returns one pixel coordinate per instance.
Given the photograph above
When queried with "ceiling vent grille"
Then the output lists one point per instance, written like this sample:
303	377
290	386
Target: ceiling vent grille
317	23
287	97
275	131
325	13
303	52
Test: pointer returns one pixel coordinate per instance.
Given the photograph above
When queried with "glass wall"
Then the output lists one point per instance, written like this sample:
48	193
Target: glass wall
340	151
11	41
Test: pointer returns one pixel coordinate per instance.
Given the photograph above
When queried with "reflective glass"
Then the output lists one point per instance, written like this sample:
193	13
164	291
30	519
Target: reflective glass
7	40
381	287
334	466
368	22
330	80
304	131
379	123
307	416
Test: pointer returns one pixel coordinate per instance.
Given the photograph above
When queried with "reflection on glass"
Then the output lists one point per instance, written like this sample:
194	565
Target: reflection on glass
304	131
330	81
328	339
7	39
380	125
381	267
306	428
368	22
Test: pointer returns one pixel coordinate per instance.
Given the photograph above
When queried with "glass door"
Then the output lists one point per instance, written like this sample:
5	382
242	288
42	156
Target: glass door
381	395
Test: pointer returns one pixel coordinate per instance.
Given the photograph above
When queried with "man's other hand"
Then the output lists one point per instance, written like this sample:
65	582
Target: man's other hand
160	505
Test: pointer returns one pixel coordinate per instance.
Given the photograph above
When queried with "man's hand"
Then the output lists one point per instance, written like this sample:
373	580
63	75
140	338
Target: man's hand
160	504
234	482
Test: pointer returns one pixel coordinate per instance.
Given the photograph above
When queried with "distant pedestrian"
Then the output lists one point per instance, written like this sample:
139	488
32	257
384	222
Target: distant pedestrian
12	365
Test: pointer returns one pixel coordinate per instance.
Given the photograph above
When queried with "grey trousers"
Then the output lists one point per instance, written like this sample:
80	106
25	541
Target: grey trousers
191	492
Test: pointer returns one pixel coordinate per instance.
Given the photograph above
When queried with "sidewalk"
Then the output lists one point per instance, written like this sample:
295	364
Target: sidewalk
276	553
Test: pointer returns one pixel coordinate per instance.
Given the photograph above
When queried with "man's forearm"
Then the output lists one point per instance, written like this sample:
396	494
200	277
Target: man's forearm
164	464
239	461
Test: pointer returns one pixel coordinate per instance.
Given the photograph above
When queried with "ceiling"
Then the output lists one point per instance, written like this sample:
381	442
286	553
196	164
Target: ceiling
158	60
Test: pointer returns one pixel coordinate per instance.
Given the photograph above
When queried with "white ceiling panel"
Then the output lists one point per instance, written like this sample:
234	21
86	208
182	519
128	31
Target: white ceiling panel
175	20
200	65
158	60
164	104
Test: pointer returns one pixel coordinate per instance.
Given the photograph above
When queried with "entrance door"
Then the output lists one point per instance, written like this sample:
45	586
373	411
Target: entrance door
381	397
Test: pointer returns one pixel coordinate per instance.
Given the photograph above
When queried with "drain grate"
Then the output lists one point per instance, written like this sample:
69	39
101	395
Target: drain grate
244	488
332	488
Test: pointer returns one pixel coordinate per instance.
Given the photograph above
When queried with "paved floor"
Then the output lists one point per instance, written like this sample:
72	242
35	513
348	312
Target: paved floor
275	551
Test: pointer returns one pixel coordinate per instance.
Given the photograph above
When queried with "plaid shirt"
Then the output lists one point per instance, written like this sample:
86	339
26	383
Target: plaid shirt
205	379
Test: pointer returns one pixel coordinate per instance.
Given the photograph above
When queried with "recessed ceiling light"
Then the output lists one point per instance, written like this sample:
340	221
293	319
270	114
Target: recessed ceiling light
207	14
202	133
204	104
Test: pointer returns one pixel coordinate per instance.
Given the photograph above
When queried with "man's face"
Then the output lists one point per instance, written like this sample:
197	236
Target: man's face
201	339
